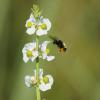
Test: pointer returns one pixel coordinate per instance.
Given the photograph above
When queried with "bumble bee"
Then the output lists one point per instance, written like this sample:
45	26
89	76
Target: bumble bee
60	44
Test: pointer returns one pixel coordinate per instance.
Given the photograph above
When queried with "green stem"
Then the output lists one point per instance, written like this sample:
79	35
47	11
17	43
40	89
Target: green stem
37	71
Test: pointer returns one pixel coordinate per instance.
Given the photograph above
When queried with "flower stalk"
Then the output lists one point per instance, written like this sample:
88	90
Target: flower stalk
37	71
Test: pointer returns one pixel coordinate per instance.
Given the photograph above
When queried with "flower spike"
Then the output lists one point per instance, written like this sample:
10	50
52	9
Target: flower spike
38	26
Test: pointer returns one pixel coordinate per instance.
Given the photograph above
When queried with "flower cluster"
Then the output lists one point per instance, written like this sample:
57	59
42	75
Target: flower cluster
31	53
38	26
45	82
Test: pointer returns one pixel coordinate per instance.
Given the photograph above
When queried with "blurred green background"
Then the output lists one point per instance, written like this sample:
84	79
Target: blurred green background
76	73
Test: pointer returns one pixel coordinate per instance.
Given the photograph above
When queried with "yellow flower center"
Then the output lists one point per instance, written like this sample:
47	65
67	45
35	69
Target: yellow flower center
43	26
45	79
29	53
29	24
47	51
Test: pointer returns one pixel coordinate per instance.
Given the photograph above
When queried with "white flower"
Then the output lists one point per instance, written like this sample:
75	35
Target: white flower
29	52
45	51
31	25
43	27
30	81
46	83
40	26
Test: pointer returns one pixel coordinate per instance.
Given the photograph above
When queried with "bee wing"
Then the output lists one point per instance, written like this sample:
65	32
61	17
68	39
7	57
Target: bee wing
53	37
64	44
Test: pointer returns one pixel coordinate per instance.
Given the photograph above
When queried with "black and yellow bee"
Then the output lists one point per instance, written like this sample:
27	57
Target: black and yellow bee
60	44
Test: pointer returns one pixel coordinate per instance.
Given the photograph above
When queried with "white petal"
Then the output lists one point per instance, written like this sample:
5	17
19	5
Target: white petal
40	73
44	45
41	32
50	79
29	46
32	17
32	45
25	58
44	55
43	48
48	23
32	59
41	17
31	30
35	53
28	81
24	50
50	58
44	87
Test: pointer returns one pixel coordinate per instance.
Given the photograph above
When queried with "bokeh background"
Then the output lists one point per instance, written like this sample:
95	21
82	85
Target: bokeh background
76	73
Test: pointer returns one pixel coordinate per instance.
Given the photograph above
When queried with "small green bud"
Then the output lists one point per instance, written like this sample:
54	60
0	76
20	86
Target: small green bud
36	11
